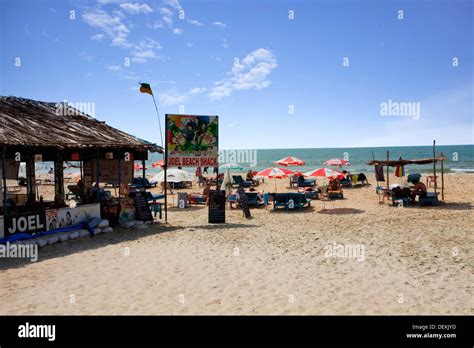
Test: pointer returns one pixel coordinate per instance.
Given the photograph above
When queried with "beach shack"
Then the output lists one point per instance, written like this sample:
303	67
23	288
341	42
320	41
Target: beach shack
400	163
34	131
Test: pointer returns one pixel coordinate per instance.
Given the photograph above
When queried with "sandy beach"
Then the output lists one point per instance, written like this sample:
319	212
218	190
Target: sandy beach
417	260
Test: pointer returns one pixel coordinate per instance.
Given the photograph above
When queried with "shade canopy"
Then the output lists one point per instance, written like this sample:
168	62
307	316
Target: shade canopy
325	173
232	166
339	162
159	163
290	161
274	172
173	175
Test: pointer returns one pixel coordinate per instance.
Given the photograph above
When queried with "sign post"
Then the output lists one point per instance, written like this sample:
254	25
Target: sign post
216	206
191	141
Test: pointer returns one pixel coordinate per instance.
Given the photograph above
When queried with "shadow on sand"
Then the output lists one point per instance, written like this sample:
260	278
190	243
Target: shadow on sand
87	243
341	211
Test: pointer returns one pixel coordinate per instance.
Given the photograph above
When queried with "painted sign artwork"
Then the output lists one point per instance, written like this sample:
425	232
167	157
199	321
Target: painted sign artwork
192	141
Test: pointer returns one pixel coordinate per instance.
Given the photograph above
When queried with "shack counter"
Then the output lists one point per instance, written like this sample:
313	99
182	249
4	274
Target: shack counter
49	220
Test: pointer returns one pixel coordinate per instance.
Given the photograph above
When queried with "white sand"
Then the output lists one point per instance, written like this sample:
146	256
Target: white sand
274	263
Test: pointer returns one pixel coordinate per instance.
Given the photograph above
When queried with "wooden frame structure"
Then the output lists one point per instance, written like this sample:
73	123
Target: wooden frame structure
402	162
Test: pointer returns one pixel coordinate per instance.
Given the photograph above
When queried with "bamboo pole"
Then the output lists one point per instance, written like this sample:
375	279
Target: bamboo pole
4	180
434	165
442	178
388	180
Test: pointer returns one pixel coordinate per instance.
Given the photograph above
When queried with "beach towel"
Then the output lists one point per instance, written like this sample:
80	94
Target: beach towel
379	173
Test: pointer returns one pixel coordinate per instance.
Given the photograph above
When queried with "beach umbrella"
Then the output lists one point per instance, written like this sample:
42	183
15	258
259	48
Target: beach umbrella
290	161
232	166
275	173
172	175
338	162
325	173
159	163
138	167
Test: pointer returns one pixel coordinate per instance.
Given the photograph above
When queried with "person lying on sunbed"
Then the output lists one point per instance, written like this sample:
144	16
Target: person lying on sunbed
194	197
418	190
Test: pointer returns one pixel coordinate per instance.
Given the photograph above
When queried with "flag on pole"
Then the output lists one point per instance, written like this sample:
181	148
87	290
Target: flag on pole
145	88
399	170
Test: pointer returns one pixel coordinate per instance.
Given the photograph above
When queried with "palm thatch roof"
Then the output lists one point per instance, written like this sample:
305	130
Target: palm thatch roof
394	163
26	122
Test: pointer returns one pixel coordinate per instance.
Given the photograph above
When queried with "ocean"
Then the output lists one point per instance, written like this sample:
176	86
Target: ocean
459	158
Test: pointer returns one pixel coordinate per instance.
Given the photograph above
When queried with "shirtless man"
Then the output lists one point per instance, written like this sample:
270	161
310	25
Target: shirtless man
418	190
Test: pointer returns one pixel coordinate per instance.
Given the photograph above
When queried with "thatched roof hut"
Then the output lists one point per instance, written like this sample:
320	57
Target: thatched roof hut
25	122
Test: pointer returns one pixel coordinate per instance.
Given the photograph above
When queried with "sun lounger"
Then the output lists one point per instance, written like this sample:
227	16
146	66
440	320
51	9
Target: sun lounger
238	181
335	194
141	182
293	200
307	183
293	180
430	199
253	199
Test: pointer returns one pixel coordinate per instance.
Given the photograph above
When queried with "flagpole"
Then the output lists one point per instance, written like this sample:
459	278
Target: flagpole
159	122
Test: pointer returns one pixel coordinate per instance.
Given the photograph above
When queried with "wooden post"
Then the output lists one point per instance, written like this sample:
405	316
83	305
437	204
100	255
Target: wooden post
388	180
58	176
30	177
143	170
119	177
434	165
442	178
4	180
97	174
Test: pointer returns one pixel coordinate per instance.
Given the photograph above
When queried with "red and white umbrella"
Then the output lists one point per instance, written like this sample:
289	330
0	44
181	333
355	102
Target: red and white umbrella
159	163
290	161
339	162
325	173
138	167
275	173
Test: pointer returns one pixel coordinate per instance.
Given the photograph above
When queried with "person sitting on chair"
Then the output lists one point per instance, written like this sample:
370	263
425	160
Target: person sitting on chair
249	176
418	190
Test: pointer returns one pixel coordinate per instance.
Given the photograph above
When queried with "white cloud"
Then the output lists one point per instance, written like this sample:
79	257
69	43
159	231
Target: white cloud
113	68
189	44
173	3
219	24
195	22
97	37
225	44
135	8
173	97
177	31
111	26
251	73
167	16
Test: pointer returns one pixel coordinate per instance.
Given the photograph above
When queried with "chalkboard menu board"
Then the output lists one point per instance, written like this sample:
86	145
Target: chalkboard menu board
216	206
142	209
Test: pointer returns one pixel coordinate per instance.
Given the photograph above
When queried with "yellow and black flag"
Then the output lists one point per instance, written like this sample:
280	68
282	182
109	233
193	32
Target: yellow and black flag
145	88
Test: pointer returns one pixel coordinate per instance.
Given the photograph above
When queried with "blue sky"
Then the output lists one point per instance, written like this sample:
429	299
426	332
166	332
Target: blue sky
249	63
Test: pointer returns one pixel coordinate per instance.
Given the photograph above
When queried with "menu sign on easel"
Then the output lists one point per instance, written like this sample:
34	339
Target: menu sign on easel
142	209
216	206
